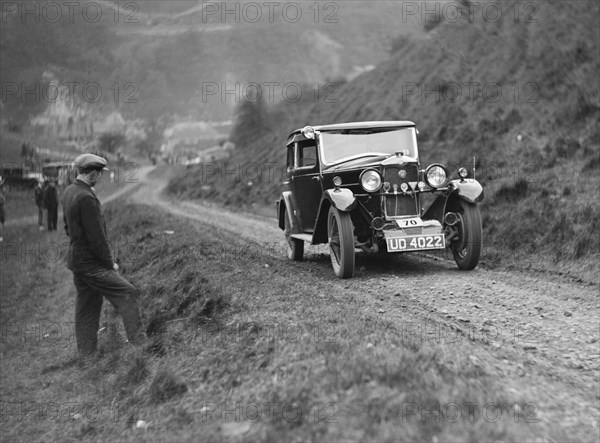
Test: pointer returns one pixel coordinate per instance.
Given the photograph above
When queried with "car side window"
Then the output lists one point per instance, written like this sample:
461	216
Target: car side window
307	156
290	157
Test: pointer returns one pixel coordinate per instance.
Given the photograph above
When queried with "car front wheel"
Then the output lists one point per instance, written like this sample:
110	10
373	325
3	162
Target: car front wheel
467	247
341	242
295	248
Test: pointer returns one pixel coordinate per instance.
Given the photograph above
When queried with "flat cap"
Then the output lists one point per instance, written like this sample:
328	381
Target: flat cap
90	162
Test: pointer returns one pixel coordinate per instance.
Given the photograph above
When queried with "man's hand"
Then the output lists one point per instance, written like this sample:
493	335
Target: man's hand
116	267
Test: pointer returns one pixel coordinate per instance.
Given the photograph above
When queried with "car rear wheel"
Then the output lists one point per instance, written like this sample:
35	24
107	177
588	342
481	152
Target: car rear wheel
341	242
467	247
295	248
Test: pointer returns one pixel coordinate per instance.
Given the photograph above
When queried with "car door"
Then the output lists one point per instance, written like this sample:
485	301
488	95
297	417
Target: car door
305	183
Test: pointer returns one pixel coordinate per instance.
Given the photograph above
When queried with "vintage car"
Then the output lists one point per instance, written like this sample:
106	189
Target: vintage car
361	186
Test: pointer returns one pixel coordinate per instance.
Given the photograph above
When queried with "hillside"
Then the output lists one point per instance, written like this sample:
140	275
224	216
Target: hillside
169	51
528	109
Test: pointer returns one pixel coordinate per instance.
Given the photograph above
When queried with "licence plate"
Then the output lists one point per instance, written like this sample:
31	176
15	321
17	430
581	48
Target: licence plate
416	243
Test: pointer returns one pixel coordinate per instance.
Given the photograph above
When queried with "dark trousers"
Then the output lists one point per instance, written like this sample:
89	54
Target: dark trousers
52	218
91	287
40	216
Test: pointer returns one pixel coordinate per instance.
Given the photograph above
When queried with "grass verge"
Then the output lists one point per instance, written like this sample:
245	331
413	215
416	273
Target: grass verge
244	346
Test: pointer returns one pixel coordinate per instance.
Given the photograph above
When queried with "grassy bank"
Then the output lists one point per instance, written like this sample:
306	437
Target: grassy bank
244	346
537	150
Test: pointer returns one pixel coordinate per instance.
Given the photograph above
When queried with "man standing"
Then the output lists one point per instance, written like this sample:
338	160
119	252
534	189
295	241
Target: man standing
39	201
2	200
51	203
94	270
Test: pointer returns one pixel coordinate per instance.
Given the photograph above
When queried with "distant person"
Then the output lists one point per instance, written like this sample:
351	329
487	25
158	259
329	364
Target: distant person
2	201
39	201
94	269
51	204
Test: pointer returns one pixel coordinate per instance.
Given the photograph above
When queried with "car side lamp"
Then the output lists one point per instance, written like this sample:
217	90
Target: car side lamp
337	182
308	132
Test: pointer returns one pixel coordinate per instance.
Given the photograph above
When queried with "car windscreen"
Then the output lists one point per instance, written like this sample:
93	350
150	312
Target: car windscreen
348	144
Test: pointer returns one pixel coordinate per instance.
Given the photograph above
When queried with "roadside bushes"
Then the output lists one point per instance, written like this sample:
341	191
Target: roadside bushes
512	191
165	386
593	164
529	222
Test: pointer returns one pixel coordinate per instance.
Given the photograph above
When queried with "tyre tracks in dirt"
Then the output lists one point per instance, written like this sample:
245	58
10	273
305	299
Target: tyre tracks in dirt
538	333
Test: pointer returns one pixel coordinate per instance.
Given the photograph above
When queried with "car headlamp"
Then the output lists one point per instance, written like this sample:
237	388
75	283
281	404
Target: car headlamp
337	181
436	175
370	180
462	173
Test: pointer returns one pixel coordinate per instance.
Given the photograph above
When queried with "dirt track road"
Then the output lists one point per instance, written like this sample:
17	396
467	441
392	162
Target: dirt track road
539	333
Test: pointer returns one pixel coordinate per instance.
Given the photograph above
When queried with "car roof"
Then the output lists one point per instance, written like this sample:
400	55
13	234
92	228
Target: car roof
365	125
362	125
358	125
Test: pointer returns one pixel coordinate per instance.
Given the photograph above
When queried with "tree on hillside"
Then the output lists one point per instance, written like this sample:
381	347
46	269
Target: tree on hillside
154	129
250	120
111	141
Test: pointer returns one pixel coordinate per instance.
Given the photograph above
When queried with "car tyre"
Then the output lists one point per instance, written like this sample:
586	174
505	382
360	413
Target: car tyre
467	248
295	249
340	233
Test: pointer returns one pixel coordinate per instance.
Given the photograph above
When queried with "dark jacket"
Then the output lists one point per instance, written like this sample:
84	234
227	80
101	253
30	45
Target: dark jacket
50	197
39	195
85	225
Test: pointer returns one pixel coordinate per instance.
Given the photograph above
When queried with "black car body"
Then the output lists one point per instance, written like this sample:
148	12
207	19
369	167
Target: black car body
361	185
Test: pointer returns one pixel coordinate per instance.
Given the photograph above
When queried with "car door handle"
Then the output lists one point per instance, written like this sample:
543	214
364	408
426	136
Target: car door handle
316	177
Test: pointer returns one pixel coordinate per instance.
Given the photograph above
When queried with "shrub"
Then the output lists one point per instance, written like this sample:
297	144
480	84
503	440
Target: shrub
512	192
165	386
592	164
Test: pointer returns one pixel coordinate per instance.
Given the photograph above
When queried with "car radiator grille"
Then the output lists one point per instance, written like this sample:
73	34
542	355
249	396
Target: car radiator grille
399	205
390	174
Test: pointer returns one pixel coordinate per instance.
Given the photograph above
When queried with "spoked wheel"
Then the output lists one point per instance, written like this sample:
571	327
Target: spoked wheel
341	242
295	248
467	247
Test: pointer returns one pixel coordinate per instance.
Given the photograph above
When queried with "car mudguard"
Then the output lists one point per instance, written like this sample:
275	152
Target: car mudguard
469	190
285	202
342	199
